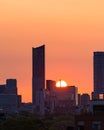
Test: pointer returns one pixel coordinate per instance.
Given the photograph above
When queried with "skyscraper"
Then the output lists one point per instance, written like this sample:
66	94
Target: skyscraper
99	72
98	66
97	102
38	78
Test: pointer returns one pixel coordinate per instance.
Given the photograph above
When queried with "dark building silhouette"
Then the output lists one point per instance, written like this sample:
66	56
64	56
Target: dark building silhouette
50	85
2	88
9	98
79	100
85	99
85	102
66	99
11	86
94	118
98	74
38	78
50	97
97	102
89	122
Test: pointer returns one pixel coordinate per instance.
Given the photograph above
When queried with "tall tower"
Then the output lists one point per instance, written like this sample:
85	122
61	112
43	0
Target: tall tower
98	59
99	72
38	78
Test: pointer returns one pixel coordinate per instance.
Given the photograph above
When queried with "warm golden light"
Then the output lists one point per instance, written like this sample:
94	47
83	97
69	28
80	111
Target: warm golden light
61	83
71	31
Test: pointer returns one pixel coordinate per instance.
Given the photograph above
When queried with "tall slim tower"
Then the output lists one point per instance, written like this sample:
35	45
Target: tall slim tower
38	78
99	72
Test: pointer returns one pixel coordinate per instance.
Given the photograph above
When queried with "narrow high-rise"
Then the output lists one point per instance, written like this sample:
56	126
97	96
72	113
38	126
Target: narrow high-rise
38	78
97	102
98	62
99	72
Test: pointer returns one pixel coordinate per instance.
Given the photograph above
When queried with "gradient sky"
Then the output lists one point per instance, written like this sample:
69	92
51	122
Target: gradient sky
71	30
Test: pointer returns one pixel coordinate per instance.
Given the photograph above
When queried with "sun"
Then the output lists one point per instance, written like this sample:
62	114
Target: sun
61	83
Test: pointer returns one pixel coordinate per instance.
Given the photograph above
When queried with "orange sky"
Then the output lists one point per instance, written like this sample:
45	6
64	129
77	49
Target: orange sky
70	29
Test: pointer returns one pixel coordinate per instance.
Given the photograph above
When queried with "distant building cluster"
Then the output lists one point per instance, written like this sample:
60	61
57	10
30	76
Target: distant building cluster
89	113
9	98
94	118
49	98
46	97
60	99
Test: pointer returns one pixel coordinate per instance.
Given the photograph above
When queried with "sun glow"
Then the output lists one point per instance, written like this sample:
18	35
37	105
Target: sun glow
61	83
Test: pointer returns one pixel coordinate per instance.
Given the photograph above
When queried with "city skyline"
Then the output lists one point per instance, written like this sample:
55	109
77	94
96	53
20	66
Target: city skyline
38	71
71	31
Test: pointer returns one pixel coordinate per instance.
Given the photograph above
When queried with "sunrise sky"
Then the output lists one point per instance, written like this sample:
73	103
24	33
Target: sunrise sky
71	30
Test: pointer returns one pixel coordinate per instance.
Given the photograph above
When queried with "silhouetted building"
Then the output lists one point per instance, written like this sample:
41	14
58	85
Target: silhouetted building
98	74
11	86
97	103
79	100
85	103
66	99
9	99
74	92
38	78
97	106
89	122
2	88
94	119
50	85
85	99
19	100
50	96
